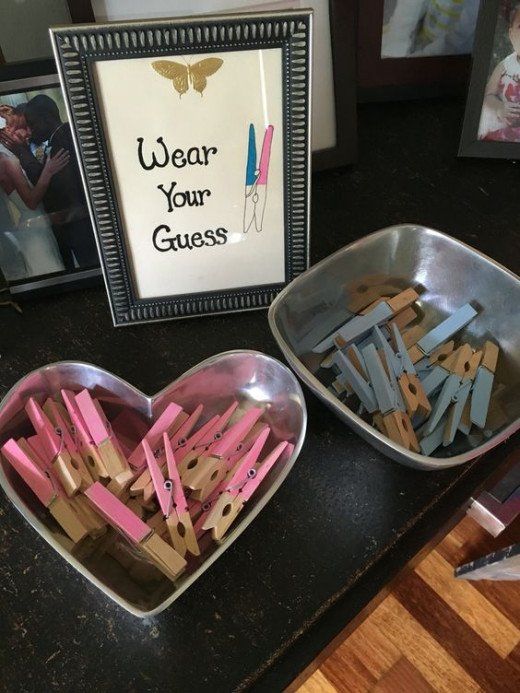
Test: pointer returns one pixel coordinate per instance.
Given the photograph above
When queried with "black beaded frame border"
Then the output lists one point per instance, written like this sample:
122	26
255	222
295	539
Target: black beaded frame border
76	48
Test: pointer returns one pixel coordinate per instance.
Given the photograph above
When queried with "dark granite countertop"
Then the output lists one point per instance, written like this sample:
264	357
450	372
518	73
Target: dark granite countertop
346	519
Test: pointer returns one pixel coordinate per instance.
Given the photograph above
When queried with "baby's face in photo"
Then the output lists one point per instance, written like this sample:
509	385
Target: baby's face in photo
514	32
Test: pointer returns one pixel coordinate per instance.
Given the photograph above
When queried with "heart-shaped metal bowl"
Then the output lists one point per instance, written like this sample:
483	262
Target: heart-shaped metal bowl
450	274
249	377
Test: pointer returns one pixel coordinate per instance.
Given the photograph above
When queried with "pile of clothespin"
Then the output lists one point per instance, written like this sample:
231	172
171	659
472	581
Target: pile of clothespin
417	388
181	484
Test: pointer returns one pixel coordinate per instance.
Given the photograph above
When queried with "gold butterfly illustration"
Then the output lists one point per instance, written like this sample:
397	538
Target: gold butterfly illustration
184	75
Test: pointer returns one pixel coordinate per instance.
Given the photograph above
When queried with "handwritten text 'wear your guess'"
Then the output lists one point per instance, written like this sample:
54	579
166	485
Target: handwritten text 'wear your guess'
158	156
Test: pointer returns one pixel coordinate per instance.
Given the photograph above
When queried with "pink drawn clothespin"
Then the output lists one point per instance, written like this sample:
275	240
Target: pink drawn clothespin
119	516
172	500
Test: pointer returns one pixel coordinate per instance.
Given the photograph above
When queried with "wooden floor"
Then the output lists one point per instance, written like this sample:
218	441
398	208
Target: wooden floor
433	633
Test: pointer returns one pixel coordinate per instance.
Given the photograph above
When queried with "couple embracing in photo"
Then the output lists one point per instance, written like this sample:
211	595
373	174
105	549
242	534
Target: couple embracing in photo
44	222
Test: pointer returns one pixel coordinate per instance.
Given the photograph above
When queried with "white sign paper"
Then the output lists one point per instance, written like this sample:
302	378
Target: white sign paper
202	208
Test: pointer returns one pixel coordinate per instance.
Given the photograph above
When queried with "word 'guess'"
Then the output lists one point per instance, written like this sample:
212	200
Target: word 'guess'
163	241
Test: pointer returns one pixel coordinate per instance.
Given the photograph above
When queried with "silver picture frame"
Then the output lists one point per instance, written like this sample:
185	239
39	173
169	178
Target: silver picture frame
78	48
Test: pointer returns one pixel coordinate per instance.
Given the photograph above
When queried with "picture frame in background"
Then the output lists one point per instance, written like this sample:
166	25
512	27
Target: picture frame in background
334	130
407	73
24	31
194	142
81	11
492	119
47	242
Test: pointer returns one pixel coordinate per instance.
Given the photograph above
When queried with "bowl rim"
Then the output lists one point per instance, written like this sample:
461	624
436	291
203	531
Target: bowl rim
396	451
47	535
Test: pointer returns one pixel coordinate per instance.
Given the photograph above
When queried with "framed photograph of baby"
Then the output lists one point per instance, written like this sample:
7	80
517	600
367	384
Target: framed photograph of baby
492	119
194	141
414	48
46	237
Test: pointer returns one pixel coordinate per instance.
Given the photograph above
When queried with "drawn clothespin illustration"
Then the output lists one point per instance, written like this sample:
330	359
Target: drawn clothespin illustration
48	493
116	513
242	484
481	394
101	434
73	474
172	500
256	179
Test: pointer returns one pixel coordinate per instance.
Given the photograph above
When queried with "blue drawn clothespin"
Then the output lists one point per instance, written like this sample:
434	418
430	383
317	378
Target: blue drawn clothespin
256	179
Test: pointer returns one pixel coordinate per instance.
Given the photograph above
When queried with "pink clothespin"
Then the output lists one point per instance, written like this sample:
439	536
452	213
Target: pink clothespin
206	436
208	470
79	505
172	500
86	446
165	423
242	484
73	473
143	484
41	484
37	453
57	414
246	460
119	516
101	434
180	437
129	428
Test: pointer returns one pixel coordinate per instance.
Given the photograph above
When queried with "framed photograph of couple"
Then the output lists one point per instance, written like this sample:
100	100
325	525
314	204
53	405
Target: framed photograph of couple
46	237
492	119
194	143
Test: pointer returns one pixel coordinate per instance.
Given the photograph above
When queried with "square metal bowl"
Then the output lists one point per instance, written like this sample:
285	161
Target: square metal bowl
449	274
